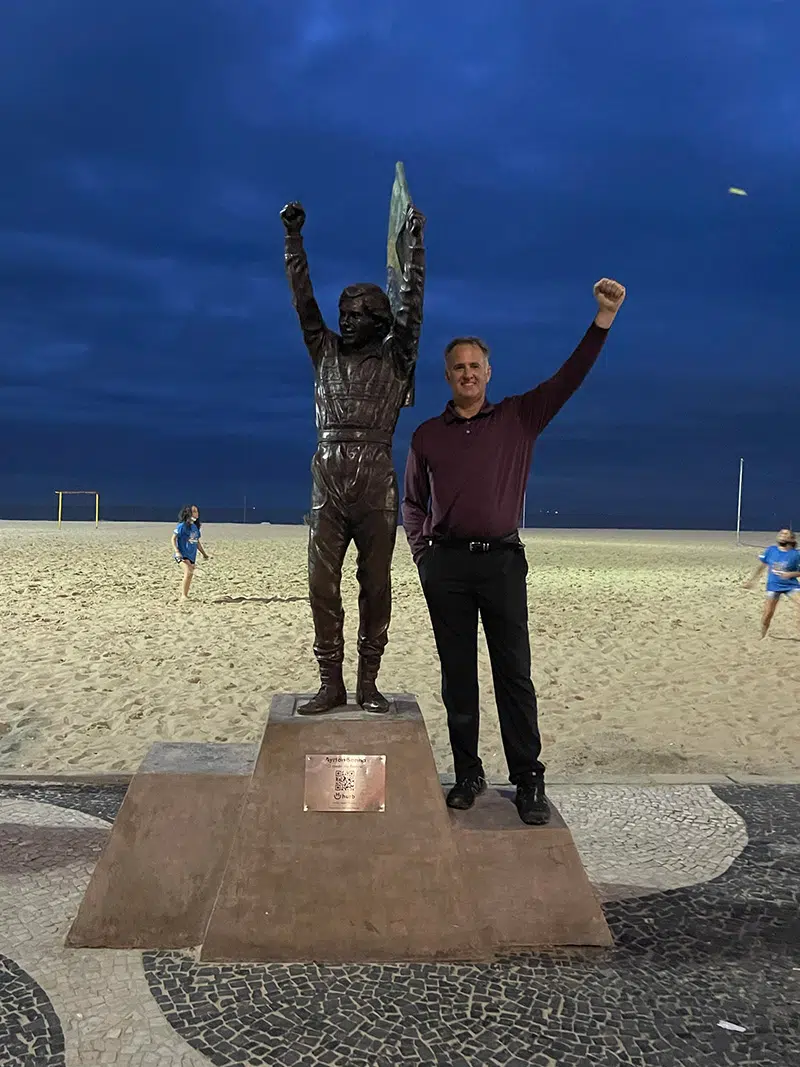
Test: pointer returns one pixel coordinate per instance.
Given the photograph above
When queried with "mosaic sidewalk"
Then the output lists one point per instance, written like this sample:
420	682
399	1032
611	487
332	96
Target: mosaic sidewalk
702	892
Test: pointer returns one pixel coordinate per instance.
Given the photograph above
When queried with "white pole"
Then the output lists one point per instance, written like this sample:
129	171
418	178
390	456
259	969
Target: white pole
524	507
739	510
244	510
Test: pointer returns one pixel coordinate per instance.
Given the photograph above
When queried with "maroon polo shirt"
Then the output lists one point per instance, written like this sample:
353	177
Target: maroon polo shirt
465	478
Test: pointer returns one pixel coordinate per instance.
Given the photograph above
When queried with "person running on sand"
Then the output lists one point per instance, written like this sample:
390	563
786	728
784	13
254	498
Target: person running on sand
783	579
186	544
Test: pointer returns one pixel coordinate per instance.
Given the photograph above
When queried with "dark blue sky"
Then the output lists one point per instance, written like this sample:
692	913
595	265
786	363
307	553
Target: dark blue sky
147	342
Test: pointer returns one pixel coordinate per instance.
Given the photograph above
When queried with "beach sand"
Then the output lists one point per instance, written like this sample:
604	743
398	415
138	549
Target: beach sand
646	650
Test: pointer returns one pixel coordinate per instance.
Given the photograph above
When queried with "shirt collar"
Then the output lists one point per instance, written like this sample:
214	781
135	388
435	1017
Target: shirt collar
451	415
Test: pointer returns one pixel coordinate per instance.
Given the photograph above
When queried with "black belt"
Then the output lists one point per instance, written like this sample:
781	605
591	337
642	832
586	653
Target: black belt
488	544
354	436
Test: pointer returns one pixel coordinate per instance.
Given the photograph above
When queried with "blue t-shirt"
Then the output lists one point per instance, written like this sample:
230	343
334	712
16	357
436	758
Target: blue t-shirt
188	535
787	559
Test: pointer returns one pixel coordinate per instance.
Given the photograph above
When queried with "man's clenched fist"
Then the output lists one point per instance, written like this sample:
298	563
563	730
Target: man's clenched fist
609	295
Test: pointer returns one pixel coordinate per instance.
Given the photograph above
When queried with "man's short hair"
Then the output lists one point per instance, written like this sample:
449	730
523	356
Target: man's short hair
476	342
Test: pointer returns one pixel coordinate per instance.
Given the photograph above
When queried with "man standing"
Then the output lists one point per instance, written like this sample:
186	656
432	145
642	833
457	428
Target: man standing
362	377
783	561
464	483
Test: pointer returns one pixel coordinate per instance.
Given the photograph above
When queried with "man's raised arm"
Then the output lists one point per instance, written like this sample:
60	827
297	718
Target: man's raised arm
408	320
539	406
311	322
416	495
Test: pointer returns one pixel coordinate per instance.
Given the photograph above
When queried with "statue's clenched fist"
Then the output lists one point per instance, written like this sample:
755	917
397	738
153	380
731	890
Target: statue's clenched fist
293	216
609	295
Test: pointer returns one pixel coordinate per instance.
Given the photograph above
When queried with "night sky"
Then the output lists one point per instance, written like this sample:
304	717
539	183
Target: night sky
148	347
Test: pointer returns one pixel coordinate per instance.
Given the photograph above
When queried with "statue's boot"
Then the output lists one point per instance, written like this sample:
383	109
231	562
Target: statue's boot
332	693
367	694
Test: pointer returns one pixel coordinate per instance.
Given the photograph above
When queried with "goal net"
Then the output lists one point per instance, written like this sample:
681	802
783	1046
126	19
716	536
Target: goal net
61	493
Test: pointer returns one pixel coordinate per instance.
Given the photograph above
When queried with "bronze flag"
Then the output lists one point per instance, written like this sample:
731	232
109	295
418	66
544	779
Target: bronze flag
397	252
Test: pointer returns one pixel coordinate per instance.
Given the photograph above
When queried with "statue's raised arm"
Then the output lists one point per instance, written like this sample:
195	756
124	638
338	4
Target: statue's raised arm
312	324
410	296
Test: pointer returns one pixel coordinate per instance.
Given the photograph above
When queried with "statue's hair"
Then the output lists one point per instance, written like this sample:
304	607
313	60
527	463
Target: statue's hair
375	299
476	342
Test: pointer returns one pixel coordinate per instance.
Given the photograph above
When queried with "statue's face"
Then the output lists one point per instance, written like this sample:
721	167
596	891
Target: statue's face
357	325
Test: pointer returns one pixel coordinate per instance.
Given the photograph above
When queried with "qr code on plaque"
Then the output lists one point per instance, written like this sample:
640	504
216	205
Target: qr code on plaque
345	781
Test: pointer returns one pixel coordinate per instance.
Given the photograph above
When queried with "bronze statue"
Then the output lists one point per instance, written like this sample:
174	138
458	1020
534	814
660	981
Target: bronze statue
364	375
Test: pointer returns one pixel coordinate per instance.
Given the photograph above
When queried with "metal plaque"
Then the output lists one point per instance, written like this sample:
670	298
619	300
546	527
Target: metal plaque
345	783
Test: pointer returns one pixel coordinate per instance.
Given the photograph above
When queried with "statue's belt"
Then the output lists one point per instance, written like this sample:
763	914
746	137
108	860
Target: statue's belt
354	436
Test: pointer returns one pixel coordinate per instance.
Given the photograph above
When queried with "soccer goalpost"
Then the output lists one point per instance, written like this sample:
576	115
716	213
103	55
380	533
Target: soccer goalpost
61	493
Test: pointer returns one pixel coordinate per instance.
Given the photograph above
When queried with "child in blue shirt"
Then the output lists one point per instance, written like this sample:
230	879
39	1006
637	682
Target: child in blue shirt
186	544
783	578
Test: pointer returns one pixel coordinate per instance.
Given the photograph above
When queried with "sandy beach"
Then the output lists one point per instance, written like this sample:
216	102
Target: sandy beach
646	648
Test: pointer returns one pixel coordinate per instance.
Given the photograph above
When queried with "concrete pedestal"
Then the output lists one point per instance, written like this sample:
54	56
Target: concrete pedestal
156	881
529	882
342	885
212	847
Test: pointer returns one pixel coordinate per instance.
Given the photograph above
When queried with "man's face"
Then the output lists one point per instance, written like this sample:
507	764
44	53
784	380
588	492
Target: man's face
468	372
784	538
356	325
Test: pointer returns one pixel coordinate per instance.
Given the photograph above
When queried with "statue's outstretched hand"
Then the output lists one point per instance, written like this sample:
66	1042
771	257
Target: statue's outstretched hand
293	217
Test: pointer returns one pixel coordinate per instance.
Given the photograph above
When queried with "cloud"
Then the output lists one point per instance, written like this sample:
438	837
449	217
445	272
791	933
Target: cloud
149	148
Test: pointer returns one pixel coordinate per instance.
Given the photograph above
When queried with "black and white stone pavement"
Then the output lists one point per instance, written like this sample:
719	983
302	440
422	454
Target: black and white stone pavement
702	891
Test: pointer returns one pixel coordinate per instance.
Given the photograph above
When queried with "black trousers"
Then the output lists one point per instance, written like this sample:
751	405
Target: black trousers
459	586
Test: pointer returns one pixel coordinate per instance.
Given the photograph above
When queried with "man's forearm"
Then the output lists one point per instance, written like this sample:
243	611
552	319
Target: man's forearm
543	403
413	525
604	319
571	374
414	508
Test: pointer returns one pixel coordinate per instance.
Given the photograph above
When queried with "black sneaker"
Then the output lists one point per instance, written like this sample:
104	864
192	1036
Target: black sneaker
463	793
531	801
